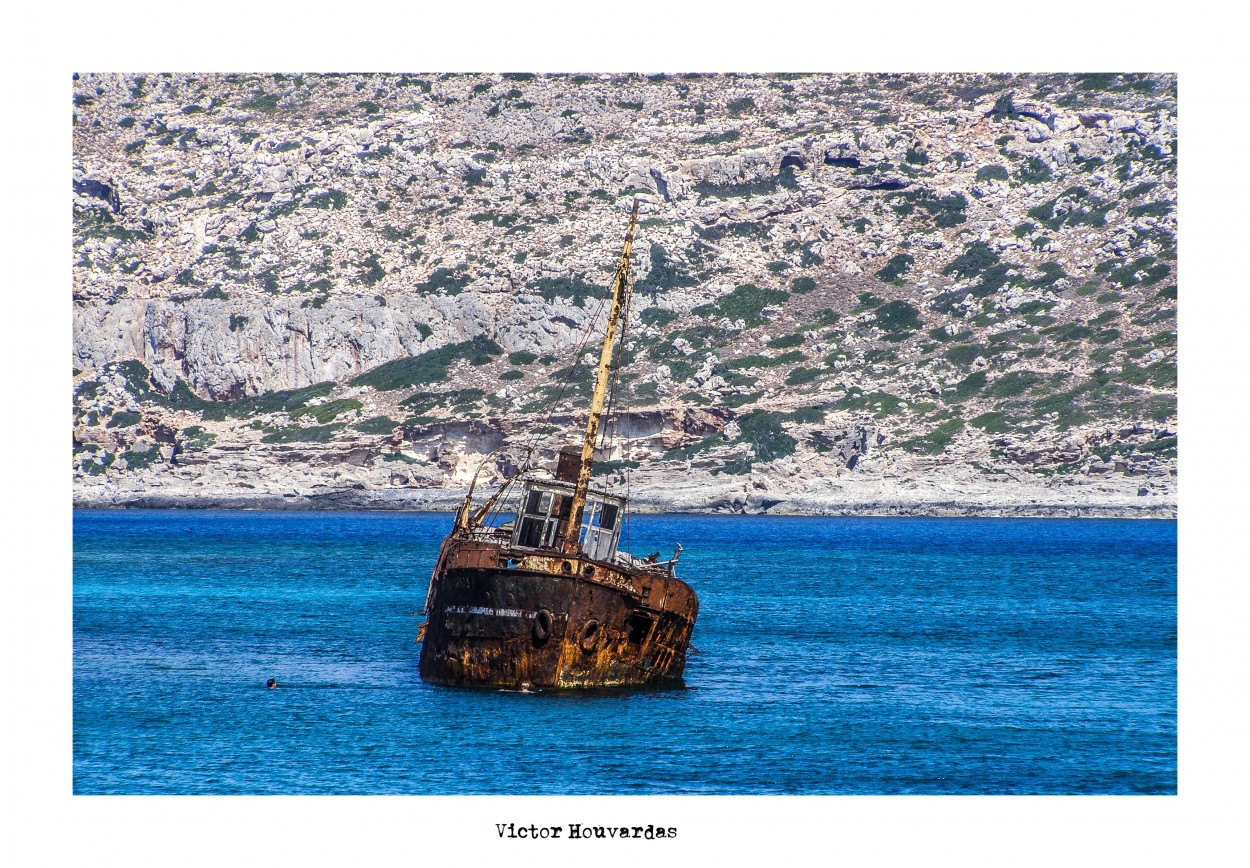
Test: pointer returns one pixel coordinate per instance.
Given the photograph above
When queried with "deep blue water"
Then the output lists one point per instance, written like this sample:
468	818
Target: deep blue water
837	655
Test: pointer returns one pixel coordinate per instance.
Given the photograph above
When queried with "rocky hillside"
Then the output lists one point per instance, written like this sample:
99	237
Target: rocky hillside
917	293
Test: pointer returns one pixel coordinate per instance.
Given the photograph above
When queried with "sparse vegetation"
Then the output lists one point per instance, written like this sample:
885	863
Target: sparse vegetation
269	402
1027	286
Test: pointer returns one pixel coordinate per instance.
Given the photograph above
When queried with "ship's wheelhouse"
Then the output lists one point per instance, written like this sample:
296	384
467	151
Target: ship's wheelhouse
544	515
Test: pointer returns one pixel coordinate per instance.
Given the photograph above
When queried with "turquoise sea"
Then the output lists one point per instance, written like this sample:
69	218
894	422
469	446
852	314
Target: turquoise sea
836	655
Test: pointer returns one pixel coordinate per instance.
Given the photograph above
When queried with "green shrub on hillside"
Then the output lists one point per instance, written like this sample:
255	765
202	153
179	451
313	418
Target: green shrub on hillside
136	376
754	360
867	301
195	438
685	453
944	211
371	270
898	319
964	354
315	434
762	429
1011	384
718	138
263	102
800	375
420	401
1034	171
448	280
376	425
881	404
330	200
664	273
326	412
898	265
124	419
428	367
138	459
809	415
975	259
657	316
935	441
821	319
745	303
968	386
1051	273
1068	332
786	341
574	288
993	422
992	173
783	180
268	402
1066	406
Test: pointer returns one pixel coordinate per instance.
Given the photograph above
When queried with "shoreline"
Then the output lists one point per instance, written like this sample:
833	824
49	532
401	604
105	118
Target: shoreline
434	500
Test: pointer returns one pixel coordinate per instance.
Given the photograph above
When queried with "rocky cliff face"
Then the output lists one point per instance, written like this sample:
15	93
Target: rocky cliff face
856	293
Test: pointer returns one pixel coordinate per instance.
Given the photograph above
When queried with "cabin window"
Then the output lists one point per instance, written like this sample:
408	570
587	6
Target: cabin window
607	519
538	502
598	531
540	520
545	511
531	532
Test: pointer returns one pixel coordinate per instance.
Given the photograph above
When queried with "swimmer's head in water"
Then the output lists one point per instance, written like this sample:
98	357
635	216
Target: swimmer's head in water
271	683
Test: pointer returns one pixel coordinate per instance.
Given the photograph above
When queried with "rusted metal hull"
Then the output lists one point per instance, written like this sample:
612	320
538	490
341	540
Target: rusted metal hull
506	618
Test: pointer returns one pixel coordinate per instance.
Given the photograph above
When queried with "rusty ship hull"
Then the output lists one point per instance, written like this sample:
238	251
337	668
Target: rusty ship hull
515	619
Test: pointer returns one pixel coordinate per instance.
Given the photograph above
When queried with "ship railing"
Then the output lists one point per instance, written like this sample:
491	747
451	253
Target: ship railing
625	559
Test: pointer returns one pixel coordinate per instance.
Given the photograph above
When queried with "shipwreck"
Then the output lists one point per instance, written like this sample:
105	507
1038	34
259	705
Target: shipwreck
540	595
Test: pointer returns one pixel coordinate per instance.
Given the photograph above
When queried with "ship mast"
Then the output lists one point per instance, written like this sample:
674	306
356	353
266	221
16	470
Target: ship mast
620	291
